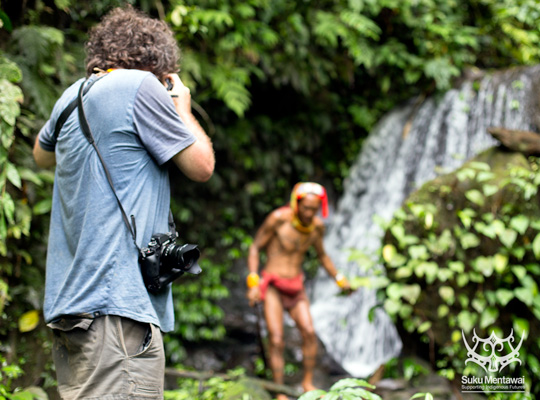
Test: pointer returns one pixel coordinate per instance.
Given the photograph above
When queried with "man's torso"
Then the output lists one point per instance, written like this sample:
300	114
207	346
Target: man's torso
92	263
287	248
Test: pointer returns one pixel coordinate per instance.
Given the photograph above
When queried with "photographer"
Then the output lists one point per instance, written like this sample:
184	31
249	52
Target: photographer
107	326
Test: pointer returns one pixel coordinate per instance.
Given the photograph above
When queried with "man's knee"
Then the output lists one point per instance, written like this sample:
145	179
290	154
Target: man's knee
308	334
276	341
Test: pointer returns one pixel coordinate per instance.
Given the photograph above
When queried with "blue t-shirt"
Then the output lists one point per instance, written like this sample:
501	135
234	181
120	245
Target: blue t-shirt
92	262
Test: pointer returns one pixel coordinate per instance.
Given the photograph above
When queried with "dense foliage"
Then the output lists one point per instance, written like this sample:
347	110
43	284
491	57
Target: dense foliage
287	90
462	255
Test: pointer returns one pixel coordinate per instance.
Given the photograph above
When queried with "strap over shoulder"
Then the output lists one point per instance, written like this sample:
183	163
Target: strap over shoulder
69	109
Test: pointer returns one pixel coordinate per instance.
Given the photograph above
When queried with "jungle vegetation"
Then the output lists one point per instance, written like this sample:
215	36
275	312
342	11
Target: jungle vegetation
288	91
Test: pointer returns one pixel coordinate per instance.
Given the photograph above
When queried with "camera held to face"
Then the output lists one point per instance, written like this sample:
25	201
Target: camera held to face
163	261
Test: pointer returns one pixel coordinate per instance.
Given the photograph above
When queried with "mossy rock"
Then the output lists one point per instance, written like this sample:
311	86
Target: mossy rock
481	187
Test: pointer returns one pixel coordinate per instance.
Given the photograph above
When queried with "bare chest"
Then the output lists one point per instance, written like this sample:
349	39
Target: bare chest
291	241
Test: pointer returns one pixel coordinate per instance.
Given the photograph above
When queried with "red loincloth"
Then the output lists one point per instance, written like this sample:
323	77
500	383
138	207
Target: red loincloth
291	290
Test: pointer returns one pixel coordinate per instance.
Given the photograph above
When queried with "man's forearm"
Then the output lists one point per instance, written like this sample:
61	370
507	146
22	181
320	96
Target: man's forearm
329	266
253	259
194	127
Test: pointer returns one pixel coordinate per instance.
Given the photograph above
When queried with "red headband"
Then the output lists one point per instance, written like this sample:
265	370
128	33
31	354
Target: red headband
302	189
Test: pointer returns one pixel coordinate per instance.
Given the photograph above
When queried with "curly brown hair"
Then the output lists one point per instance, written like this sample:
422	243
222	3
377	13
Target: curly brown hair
127	38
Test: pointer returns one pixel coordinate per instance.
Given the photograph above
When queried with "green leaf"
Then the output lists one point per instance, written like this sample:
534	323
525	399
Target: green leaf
424	327
9	207
393	291
8	69
13	175
462	280
24	395
456	266
489	316
525	295
483	265
489	190
518	252
486	230
475	196
388	252
62	4
418	252
500	262
443	310
447	294
29	175
465	174
444	274
43	207
351	383
504	296
313	395
536	246
484	176
411	292
424	395
479	304
332	396
398	231
520	223
520	271
481	166
403	272
466	215
521	326
469	240
508	238
467	320
392	306
429	269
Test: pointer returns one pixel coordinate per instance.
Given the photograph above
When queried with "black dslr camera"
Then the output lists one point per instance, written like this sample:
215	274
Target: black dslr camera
163	261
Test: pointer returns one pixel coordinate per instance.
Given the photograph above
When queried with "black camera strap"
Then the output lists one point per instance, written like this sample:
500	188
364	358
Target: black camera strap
69	109
85	127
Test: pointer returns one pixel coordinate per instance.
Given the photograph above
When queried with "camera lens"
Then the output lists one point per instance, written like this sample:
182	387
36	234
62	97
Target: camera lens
179	257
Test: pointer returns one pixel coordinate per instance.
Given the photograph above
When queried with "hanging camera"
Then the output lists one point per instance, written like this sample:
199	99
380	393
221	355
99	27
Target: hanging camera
163	261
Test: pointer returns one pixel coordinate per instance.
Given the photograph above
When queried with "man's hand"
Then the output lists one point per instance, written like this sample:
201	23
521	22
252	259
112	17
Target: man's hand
180	95
343	284
253	295
197	161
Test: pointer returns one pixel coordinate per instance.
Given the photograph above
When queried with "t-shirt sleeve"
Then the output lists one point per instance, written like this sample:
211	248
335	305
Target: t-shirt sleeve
46	141
157	123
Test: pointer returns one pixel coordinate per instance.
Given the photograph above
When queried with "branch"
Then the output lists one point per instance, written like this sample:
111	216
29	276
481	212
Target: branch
205	375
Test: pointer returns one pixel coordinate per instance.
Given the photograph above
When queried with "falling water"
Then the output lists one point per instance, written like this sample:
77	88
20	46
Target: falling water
444	132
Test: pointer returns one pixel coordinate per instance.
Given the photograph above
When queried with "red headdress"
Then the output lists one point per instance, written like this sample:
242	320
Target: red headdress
302	189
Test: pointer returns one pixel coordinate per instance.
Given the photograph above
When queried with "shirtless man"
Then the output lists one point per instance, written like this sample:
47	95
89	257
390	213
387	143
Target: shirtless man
286	235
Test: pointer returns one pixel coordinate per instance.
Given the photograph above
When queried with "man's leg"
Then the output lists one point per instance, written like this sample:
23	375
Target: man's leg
301	315
108	358
273	314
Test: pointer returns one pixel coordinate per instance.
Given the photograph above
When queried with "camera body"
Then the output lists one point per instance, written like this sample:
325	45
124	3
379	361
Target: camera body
163	261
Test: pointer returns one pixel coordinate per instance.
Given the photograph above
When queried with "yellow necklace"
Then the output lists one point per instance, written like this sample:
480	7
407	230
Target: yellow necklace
297	224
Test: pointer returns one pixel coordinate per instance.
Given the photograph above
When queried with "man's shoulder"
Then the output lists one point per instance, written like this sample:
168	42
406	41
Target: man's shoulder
278	217
282	214
319	224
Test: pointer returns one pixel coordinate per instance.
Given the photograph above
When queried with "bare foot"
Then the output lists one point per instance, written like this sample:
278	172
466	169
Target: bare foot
281	397
308	386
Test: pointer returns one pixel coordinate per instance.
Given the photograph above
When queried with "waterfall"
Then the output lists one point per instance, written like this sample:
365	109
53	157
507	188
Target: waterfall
445	131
